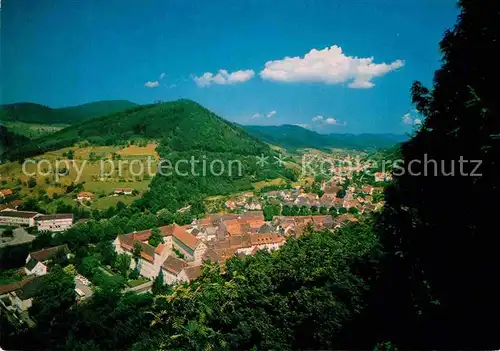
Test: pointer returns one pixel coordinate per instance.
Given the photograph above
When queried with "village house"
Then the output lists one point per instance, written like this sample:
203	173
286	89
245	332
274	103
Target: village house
123	191
151	258
21	299
5	192
171	268
367	189
37	262
382	177
187	244
330	188
55	223
85	196
18	218
327	200
257	242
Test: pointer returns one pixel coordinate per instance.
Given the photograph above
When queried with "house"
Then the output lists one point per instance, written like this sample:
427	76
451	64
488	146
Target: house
260	242
331	189
327	200
22	298
123	191
85	195
190	273
56	222
18	218
171	268
187	244
382	177
151	258
5	192
36	262
367	189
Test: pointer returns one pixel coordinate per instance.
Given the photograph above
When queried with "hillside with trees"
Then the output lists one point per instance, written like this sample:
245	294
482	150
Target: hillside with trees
29	112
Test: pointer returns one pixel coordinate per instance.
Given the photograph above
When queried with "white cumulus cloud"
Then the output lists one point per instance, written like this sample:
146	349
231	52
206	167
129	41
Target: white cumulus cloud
223	77
322	121
163	75
271	114
330	66
152	84
410	120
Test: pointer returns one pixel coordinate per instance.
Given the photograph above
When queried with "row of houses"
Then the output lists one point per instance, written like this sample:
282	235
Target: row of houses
54	222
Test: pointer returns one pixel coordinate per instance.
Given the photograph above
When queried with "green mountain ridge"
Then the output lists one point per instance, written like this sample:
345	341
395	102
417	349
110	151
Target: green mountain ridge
29	112
294	137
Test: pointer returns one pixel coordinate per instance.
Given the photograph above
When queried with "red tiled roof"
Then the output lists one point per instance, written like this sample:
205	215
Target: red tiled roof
7	288
174	265
186	238
260	239
193	272
159	249
19	214
47	254
85	194
6	192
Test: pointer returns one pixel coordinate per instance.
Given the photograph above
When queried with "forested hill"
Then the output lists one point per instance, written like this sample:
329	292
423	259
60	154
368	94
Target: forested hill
29	112
180	125
294	137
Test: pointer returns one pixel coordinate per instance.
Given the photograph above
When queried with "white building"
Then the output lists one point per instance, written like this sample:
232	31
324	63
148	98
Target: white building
36	262
191	247
152	258
55	223
18	218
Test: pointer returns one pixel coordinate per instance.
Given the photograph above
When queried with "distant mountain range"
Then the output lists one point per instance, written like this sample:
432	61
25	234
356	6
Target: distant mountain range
28	112
295	137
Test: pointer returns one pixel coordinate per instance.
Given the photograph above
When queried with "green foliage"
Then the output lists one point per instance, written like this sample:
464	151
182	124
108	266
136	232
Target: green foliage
122	264
134	274
54	298
155	239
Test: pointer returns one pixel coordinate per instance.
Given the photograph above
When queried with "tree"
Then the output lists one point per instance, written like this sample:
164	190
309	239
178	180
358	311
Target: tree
122	264
158	283
106	252
268	212
342	210
155	239
89	266
31	182
430	248
136	252
341	193
134	274
54	298
353	210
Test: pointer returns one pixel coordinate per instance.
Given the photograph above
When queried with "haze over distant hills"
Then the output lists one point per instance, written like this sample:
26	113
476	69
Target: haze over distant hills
293	137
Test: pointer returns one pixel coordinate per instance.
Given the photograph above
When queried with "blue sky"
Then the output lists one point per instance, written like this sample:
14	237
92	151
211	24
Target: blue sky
61	53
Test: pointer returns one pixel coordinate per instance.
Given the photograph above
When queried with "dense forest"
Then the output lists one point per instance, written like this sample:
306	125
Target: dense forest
419	275
29	112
